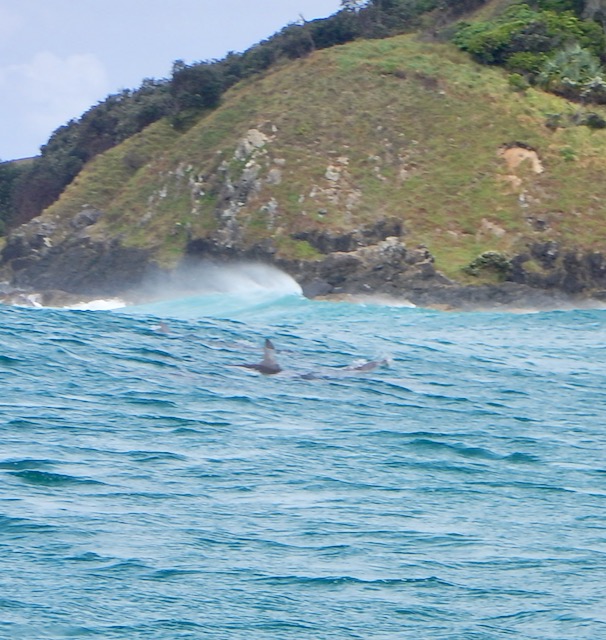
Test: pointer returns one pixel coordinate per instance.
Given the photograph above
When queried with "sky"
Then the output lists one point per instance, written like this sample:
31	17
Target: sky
60	57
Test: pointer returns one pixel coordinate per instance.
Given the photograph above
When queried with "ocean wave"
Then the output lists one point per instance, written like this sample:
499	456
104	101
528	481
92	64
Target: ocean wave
50	479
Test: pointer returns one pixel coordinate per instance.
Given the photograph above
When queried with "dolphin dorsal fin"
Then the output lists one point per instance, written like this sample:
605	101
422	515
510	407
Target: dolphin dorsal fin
269	353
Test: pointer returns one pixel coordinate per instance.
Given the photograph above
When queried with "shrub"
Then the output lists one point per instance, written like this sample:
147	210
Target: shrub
554	120
578	119
518	82
568	153
521	29
588	119
489	262
573	73
526	62
594	90
595	121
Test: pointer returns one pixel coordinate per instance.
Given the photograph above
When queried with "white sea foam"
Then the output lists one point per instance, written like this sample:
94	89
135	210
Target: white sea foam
98	305
238	278
383	301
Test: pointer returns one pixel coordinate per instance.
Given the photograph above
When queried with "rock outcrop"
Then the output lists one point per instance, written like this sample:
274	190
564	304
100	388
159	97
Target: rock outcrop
371	259
34	259
548	266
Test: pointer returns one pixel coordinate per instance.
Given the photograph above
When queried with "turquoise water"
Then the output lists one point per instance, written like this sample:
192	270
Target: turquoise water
151	489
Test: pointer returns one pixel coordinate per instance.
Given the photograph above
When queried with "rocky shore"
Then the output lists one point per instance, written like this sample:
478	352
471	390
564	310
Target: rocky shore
370	261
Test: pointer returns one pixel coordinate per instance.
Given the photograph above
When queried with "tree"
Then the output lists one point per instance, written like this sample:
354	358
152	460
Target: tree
9	173
196	86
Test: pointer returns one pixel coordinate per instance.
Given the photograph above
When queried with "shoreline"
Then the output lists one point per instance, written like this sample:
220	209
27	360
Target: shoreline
504	297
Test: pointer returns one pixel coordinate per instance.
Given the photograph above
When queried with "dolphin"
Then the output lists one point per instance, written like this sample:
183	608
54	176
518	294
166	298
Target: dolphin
268	366
370	365
340	372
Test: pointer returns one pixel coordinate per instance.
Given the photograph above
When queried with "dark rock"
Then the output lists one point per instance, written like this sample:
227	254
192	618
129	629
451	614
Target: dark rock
329	242
29	239
316	288
339	269
481	297
87	217
82	266
16	246
387	267
202	248
538	224
571	272
545	253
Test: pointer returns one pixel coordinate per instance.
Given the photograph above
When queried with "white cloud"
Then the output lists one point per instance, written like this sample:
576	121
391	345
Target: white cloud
51	90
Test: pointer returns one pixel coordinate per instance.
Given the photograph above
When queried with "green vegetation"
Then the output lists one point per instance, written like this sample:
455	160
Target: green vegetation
575	73
376	129
522	37
297	249
9	175
491	262
548	45
193	88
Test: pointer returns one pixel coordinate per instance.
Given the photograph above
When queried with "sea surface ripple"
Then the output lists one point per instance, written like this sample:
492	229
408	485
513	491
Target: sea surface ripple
152	489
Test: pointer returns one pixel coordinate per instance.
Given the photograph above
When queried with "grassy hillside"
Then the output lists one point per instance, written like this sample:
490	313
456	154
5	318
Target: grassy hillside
386	128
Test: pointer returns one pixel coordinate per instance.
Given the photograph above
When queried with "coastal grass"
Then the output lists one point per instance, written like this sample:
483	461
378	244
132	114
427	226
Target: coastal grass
384	128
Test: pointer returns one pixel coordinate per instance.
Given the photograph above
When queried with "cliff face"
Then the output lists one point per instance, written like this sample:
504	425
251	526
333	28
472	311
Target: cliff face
392	166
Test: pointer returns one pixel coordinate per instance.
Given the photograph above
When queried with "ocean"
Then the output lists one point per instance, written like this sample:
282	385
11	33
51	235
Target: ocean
150	488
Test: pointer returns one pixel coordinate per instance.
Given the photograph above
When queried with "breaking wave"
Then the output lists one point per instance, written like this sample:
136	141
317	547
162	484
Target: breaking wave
217	290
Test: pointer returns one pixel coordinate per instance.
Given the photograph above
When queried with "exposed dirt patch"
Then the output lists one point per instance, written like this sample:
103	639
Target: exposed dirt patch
515	154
